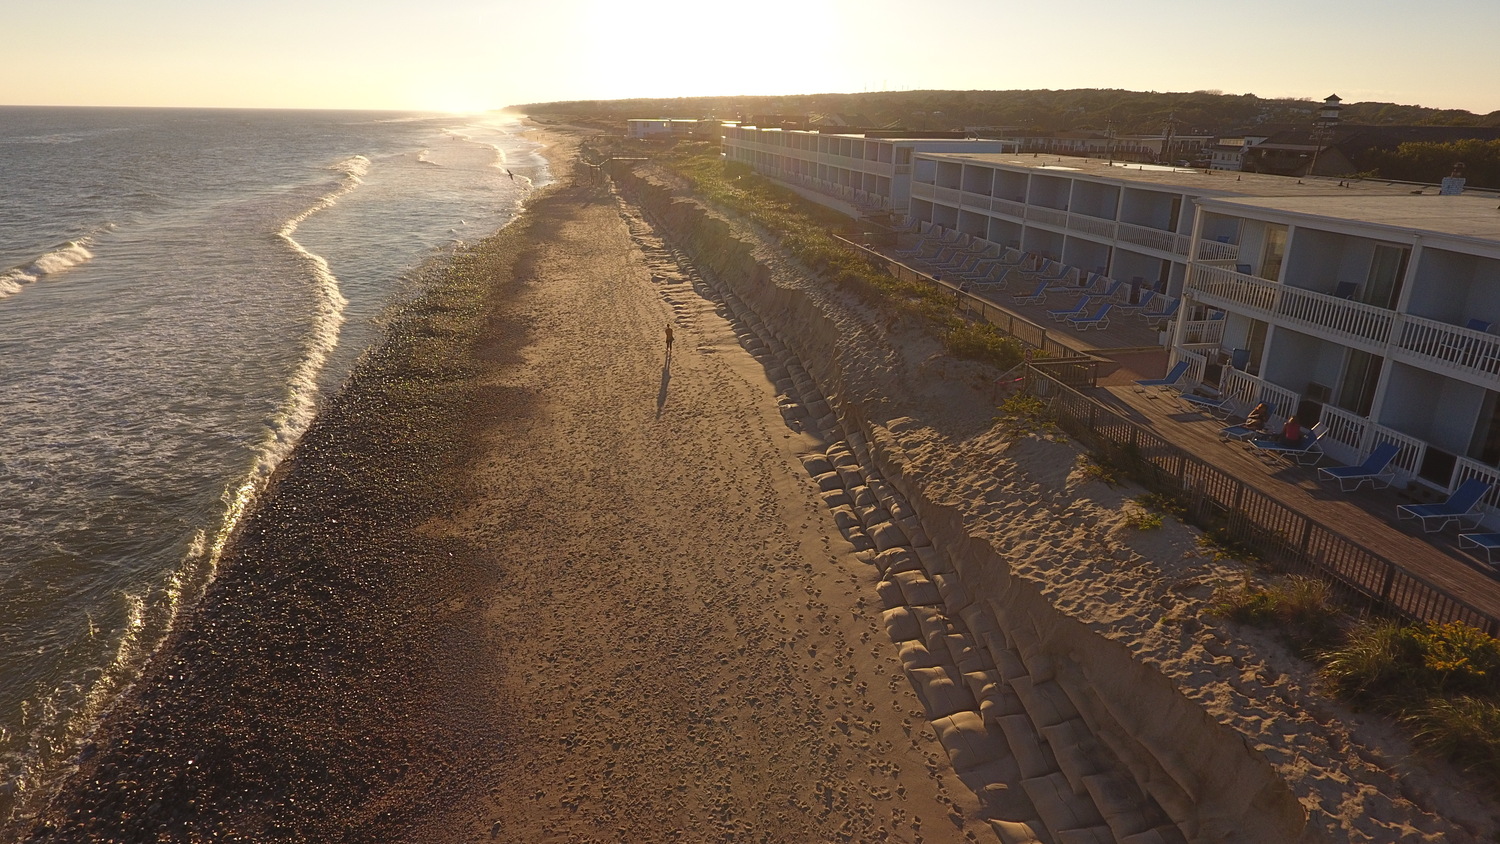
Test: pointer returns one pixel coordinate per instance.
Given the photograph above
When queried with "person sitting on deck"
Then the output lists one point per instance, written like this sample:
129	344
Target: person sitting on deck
1255	420
1291	433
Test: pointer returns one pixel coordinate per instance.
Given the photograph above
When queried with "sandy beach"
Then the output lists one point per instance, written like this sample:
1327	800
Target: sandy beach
533	576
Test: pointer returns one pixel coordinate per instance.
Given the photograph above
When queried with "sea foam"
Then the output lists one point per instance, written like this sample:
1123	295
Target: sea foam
57	260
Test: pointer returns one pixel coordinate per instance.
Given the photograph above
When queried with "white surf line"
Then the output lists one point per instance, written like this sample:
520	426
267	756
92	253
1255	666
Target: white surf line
297	412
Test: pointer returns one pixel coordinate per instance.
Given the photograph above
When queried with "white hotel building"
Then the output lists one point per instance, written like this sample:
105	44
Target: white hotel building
870	170
1361	306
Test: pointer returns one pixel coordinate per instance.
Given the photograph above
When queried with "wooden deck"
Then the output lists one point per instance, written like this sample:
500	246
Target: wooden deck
1368	516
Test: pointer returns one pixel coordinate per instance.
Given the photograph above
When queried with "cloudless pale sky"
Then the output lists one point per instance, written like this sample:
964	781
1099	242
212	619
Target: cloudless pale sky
482	54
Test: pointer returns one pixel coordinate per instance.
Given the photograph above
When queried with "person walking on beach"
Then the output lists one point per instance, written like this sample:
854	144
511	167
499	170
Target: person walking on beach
669	339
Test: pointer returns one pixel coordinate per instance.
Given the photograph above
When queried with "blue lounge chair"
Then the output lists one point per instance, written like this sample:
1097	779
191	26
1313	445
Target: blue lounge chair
1305	453
1462	505
995	280
1376	469
1078	308
1160	316
1098	319
1489	542
1146	297
1035	297
1059	271
1174	375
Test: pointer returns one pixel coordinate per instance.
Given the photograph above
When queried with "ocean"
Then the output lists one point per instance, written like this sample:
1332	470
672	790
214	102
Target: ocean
179	291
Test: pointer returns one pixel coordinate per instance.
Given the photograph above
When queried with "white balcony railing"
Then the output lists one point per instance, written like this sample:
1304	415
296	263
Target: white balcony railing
1264	299
1050	216
1213	250
950	196
1092	225
1009	208
1196	363
976	200
1163	241
1205	331
1339	316
1345	439
923	190
1450	347
1248	390
1218	286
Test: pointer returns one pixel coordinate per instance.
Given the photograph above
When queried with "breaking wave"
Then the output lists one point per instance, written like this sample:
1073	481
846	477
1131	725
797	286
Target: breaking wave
57	260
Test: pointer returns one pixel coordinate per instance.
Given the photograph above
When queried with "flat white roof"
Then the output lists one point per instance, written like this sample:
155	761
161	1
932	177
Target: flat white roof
1471	216
1184	179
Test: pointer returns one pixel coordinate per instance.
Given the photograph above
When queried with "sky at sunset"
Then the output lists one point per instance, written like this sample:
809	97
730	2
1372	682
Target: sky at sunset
482	54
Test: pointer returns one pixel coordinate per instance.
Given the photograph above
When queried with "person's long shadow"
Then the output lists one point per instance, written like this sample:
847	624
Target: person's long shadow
666	377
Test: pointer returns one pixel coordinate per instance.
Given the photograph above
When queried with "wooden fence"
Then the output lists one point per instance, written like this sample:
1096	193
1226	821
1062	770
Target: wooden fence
1246	516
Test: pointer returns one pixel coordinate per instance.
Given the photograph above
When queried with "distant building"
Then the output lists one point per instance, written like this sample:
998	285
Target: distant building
1330	147
1229	153
670	127
868	169
1148	149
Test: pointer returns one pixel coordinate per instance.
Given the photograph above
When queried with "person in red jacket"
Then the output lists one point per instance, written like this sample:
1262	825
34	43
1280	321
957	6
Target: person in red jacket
1291	434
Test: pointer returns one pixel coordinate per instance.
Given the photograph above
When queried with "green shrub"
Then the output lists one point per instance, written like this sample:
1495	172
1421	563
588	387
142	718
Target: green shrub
1095	469
1161	502
1301	607
981	341
1389	661
1143	519
807	231
1463	728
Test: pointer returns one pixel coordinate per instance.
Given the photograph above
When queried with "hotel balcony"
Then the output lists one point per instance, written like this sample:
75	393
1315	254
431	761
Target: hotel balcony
1158	239
1463	353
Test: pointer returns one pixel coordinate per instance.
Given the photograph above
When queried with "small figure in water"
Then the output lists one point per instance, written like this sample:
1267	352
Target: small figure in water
669	339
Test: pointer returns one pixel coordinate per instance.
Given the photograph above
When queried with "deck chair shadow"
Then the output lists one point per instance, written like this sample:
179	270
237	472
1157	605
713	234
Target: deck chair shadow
1461	506
1376	470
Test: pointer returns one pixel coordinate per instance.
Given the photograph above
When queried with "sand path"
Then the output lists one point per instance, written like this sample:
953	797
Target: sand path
687	650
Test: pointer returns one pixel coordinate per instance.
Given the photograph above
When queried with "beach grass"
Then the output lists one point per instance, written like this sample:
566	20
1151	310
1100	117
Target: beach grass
809	230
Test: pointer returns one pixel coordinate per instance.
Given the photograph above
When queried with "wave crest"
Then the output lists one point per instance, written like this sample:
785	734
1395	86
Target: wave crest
57	260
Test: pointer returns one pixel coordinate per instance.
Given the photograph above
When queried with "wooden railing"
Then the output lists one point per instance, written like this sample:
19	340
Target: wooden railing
1283	536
